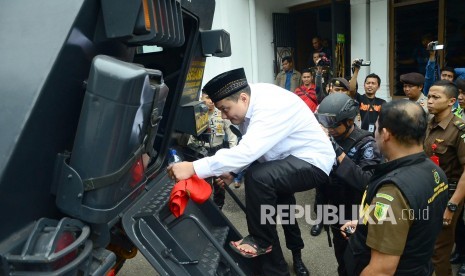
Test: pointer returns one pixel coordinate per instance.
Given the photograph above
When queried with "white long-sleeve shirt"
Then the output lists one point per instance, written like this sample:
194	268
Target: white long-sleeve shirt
277	124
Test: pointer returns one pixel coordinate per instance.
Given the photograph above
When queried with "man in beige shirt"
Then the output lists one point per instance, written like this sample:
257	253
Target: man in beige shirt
288	78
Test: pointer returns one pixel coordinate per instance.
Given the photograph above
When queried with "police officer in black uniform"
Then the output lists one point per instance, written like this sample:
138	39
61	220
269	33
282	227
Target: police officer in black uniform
355	149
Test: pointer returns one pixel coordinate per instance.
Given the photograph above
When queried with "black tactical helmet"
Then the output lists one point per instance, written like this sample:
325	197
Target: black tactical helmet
336	108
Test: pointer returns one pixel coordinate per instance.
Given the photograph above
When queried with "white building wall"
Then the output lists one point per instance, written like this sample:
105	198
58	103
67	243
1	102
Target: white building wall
370	40
253	48
360	35
239	29
379	44
264	15
234	17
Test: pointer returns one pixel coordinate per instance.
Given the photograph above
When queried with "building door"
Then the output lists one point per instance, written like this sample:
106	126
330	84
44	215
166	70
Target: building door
436	20
340	28
283	39
325	19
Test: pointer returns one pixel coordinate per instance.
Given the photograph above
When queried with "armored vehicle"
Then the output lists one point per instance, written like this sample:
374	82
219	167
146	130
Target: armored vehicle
89	89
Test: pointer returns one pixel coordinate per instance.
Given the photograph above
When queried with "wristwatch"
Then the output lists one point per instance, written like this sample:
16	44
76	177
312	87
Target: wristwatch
452	206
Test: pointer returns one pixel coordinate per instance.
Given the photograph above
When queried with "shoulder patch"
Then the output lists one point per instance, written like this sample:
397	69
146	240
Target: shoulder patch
381	210
368	153
385	196
460	124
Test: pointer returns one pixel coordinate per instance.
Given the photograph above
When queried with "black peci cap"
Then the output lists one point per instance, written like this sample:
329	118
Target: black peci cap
413	78
225	84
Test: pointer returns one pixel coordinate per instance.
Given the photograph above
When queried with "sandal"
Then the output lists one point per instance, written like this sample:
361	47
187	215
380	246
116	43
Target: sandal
249	240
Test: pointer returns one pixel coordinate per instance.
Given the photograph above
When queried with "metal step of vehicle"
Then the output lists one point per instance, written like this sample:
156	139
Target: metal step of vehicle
192	244
211	256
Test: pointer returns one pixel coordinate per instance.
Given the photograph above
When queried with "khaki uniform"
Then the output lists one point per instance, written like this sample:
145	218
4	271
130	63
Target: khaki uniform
217	128
450	141
380	234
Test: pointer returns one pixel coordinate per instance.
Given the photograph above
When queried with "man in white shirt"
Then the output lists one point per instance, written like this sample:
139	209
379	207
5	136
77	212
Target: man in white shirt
280	132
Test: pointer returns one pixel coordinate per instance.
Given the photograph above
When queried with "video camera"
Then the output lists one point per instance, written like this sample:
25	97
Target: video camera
359	62
434	46
323	61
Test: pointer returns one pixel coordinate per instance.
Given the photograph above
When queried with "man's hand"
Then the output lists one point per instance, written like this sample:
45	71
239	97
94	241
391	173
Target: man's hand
329	88
447	217
356	63
224	179
349	225
181	171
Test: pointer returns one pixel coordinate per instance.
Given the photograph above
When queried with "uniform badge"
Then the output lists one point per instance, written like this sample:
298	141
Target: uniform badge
385	196
381	210
368	153
437	178
352	152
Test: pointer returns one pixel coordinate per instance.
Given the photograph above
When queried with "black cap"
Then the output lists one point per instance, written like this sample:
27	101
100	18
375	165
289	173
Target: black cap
226	84
460	84
413	78
340	82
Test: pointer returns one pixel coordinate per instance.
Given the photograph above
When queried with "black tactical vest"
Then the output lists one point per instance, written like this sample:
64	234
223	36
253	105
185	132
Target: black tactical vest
355	136
416	176
339	191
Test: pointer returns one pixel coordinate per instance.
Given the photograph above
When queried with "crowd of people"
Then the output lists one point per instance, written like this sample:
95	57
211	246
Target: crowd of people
402	162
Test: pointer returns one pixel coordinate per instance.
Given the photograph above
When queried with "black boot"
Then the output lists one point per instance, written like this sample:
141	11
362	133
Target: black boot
299	266
316	229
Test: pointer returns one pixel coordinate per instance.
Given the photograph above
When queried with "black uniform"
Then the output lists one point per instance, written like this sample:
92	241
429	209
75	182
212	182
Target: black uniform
348	181
419	180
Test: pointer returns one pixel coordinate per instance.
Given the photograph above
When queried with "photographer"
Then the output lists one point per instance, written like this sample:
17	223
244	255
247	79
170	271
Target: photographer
318	46
432	68
320	65
370	105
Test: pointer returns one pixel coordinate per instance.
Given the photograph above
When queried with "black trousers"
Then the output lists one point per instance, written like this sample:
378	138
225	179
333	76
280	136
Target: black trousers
460	235
218	194
270	183
340	245
292	232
